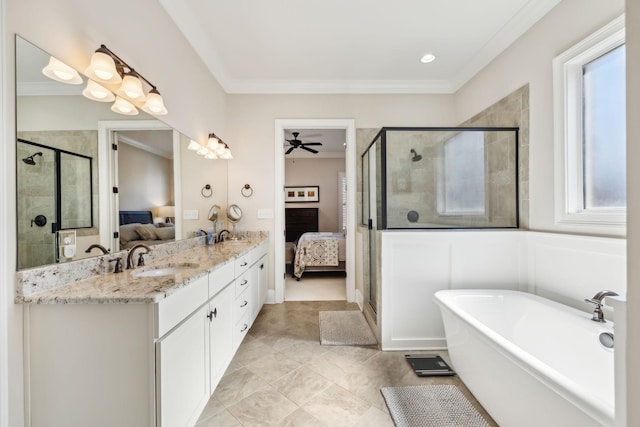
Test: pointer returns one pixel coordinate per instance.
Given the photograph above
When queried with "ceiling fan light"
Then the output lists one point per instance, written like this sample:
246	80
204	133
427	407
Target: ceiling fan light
203	151
122	106
211	156
131	88
102	68
155	103
61	72
97	92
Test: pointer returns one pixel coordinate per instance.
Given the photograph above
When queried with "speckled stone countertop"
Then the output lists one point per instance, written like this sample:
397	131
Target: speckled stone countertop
124	288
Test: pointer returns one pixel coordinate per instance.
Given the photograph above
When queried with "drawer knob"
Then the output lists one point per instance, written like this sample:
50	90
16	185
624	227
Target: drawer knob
212	314
244	304
261	266
244	282
245	327
243	264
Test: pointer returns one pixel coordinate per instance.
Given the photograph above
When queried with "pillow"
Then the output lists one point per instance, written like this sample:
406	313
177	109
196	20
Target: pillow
128	233
166	233
146	231
164	224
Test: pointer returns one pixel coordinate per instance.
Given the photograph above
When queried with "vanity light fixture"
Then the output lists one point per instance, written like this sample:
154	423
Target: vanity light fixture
108	69
429	57
122	106
61	72
131	87
97	92
215	148
103	67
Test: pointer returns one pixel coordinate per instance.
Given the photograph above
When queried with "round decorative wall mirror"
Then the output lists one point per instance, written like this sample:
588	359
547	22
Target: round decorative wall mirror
234	214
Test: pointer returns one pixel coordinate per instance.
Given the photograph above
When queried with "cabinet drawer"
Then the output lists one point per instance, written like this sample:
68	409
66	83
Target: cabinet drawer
242	284
243	263
240	329
241	305
221	277
177	307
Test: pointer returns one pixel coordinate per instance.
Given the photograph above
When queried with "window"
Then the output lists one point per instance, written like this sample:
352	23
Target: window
590	130
462	183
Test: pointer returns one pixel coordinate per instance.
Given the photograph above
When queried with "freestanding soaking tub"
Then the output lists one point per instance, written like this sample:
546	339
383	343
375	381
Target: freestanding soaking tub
528	360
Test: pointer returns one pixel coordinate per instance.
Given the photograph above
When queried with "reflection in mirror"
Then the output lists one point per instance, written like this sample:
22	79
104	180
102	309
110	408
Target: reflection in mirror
57	118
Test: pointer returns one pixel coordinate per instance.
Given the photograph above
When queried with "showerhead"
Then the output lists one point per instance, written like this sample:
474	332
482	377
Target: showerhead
29	160
415	156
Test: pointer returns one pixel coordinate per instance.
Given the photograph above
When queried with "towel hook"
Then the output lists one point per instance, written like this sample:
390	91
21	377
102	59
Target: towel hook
207	191
247	191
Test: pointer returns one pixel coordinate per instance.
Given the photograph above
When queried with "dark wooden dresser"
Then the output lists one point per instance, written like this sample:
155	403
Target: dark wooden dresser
298	221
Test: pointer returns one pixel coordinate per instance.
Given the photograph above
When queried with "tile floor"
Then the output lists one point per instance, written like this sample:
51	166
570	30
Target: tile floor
314	287
282	376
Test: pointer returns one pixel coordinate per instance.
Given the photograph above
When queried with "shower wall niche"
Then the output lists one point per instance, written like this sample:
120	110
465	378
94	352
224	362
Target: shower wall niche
441	178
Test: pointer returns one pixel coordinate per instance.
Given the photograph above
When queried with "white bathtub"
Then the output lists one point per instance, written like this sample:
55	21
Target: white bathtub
528	360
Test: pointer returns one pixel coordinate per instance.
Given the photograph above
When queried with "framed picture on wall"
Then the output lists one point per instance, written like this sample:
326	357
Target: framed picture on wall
302	194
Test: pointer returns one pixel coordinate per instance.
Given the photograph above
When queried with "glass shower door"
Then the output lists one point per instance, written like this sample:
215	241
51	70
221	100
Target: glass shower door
36	177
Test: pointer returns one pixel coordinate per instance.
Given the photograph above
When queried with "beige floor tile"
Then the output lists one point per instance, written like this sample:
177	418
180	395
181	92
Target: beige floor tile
302	385
374	417
336	407
238	385
282	376
266	407
273	366
302	418
221	419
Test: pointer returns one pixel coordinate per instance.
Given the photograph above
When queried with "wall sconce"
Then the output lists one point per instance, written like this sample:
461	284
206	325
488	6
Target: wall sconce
215	148
106	68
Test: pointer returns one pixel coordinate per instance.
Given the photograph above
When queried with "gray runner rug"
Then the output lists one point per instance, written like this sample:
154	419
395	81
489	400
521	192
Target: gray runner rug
441	405
345	328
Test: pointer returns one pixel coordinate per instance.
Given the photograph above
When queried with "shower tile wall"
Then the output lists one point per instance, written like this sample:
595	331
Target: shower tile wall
36	248
512	111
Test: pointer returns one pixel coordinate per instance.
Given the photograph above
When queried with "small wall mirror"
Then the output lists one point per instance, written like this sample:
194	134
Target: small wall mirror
234	215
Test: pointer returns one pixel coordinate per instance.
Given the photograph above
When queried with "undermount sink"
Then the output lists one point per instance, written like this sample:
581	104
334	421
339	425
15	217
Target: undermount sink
163	270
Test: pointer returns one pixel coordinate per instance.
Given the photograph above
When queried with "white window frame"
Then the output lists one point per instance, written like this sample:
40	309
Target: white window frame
568	126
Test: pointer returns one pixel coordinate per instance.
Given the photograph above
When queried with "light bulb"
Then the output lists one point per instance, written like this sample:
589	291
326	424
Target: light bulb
61	72
122	106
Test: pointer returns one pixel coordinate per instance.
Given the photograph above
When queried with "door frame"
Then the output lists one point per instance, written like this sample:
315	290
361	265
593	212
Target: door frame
350	170
108	204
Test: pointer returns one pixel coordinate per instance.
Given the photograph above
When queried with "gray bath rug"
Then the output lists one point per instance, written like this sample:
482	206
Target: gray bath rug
440	405
345	328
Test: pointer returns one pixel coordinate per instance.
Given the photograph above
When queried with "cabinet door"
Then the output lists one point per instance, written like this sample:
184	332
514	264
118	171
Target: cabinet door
182	368
260	291
220	333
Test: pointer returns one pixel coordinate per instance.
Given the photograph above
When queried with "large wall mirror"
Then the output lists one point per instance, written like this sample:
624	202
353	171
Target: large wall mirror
65	165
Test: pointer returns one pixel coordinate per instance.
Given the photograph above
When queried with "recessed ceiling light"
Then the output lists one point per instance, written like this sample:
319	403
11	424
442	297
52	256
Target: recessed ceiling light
429	57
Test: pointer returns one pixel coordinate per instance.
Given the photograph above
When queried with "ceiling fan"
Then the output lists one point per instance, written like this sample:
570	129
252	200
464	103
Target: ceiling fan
296	143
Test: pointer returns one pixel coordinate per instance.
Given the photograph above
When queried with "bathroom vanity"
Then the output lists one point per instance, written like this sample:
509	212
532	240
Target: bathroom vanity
146	347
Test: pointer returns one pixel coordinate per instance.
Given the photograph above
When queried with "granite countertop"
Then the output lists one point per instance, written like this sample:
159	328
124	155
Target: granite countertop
124	288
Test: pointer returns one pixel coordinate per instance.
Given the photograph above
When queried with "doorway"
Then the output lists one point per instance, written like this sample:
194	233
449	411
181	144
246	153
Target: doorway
283	131
108	132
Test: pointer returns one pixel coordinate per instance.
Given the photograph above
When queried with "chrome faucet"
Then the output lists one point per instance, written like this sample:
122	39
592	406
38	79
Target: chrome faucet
130	255
598	315
94	246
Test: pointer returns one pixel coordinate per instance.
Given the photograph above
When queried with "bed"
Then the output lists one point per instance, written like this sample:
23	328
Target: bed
138	227
318	251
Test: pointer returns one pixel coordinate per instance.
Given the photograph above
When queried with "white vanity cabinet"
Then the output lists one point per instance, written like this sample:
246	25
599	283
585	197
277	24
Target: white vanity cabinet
139	365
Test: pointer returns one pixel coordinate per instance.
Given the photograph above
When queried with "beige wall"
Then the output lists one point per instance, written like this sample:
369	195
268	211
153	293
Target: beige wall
528	60
145	180
633	212
323	173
